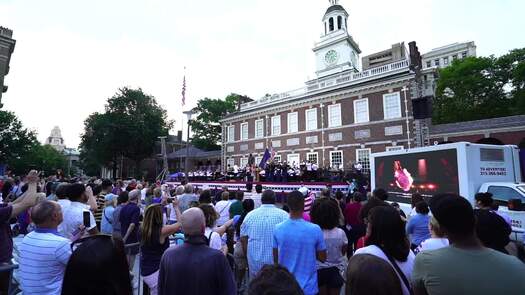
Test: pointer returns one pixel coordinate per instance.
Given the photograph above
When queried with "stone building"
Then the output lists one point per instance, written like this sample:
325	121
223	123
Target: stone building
7	46
337	119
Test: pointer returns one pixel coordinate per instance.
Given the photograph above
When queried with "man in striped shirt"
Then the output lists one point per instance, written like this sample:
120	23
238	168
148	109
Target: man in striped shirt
43	253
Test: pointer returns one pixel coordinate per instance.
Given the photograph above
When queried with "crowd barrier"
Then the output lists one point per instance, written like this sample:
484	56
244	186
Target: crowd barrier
9	268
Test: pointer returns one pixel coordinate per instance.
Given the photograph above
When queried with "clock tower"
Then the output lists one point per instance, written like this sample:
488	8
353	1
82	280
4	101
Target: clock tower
336	51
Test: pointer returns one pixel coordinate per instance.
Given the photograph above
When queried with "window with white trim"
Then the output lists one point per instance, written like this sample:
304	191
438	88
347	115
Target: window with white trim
293	124
230	162
361	110
363	157
293	159
244	131
311	119
336	159
394	148
244	162
258	160
312	158
392	105
276	125
259	128
231	133
334	115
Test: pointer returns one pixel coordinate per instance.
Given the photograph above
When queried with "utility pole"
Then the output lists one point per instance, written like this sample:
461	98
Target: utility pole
188	114
165	172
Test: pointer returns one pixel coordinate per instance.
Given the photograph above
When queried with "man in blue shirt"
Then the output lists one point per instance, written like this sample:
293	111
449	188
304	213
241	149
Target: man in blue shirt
257	232
297	244
43	253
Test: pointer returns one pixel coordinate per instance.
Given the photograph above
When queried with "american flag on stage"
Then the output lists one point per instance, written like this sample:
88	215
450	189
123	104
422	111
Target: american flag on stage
184	91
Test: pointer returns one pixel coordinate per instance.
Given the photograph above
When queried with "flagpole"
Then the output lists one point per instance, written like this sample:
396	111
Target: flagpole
182	115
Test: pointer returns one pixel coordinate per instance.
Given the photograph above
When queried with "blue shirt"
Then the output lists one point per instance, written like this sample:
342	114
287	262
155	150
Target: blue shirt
43	258
298	242
106	224
258	226
417	228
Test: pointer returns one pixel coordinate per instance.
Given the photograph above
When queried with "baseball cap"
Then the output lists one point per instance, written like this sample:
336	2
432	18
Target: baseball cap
453	212
110	197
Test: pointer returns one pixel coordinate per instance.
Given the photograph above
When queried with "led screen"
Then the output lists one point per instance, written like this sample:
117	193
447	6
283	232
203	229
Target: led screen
427	173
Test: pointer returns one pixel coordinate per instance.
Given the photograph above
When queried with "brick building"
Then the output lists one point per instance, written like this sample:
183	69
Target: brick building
335	120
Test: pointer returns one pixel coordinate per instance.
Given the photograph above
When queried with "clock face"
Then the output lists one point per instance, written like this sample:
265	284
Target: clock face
331	57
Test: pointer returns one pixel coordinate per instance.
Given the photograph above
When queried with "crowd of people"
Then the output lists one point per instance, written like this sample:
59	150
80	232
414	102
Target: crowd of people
87	238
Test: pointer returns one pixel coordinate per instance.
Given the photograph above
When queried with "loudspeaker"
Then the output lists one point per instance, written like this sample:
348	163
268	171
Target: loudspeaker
422	108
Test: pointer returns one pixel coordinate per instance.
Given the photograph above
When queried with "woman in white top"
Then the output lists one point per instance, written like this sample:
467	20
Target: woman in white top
326	213
223	208
213	233
437	239
386	238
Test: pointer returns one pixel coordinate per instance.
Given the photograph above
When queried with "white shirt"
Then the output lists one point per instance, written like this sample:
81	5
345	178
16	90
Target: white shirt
143	194
173	214
223	209
433	244
73	218
255	197
214	240
43	257
406	267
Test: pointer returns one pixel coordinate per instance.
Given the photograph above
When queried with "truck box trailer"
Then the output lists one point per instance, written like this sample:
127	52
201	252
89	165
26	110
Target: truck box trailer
462	168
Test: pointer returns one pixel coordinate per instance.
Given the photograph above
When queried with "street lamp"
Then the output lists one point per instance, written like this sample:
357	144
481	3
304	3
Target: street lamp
188	114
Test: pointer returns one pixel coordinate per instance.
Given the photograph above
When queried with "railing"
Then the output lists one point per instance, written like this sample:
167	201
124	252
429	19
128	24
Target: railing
347	78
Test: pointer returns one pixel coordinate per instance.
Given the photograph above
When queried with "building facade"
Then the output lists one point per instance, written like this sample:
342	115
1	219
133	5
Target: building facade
337	119
443	56
7	46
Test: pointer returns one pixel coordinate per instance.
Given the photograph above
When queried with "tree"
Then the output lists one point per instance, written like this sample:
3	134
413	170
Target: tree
44	158
205	127
129	127
477	88
15	140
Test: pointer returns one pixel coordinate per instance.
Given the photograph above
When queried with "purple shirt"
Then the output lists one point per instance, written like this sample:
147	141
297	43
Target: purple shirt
6	241
130	214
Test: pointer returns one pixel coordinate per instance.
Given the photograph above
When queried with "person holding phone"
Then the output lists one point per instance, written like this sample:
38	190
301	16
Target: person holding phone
78	219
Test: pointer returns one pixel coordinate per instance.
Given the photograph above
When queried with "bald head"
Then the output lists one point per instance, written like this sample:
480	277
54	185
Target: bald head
193	222
47	214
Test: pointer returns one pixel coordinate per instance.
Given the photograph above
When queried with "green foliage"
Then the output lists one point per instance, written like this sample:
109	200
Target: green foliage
205	127
478	88
129	127
40	157
15	140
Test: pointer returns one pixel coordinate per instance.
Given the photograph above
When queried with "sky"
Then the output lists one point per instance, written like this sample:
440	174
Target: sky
72	55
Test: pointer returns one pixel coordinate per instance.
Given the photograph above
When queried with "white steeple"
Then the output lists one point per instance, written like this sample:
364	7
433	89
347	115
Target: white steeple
55	139
336	51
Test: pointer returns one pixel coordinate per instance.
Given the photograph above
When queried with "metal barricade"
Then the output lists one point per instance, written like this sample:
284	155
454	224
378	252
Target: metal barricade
135	275
9	268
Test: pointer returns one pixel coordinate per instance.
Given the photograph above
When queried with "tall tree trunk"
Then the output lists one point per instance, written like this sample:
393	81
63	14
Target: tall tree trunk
114	168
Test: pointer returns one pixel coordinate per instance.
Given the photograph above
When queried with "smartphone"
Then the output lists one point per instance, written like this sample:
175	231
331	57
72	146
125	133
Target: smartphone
86	219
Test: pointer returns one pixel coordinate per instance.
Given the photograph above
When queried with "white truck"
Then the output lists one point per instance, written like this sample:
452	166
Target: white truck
462	168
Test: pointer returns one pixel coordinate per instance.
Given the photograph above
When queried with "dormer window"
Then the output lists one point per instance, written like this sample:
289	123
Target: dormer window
331	24
339	22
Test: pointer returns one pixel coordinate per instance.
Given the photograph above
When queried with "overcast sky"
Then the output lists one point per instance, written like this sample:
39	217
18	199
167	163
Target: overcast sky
71	55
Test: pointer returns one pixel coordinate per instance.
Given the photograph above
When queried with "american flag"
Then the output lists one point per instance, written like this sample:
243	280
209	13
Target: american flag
272	152
184	91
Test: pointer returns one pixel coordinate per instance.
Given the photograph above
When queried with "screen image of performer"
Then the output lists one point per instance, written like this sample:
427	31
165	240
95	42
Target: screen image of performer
403	178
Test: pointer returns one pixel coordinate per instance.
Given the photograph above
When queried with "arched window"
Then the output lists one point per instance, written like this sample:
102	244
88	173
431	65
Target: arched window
331	24
339	22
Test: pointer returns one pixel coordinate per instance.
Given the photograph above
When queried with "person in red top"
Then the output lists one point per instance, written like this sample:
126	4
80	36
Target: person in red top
355	226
